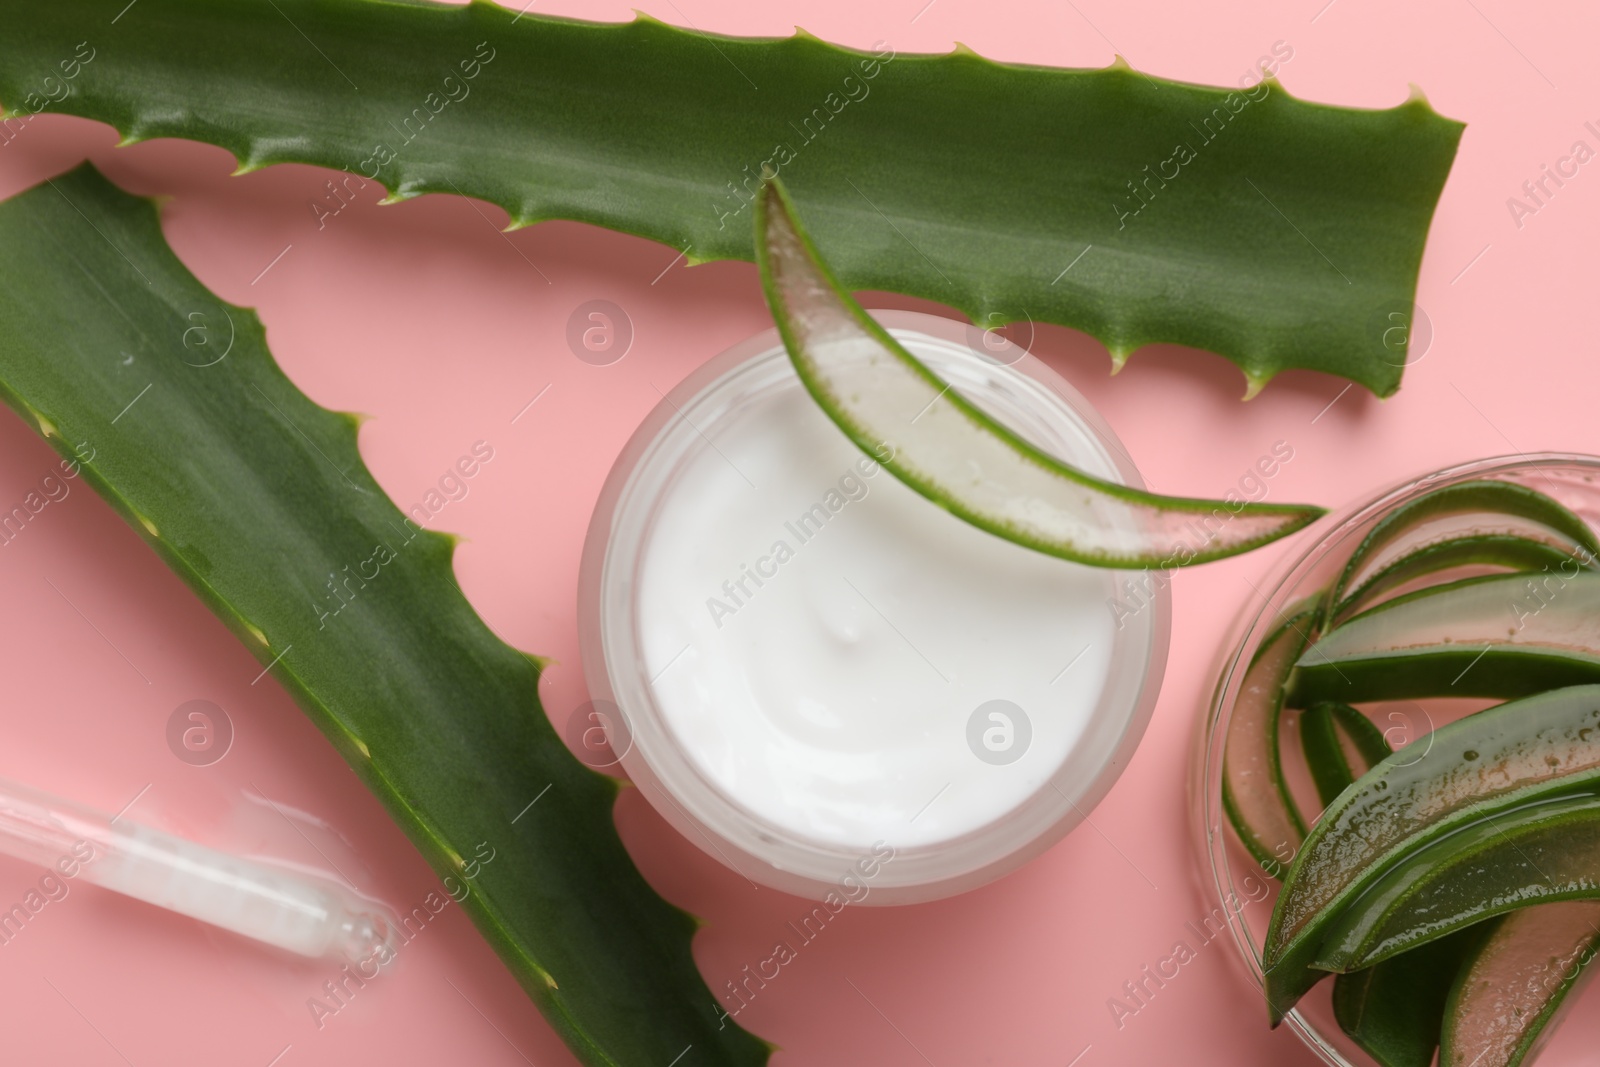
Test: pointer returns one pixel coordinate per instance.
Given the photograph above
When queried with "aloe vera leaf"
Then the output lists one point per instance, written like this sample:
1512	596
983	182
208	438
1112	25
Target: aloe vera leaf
1324	752
1363	733
1483	765
1537	853
1289	239
1254	793
1516	984
1503	635
1324	730
1483	506
1395	1010
1487	550
254	495
936	441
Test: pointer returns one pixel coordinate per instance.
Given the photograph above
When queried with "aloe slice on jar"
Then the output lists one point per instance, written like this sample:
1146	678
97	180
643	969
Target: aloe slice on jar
1396	1009
1485	506
1517	983
1535	853
1508	551
1254	793
932	438
1499	636
1486	764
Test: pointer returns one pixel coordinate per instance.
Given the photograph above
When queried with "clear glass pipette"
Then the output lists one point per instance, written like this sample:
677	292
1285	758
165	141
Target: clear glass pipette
304	914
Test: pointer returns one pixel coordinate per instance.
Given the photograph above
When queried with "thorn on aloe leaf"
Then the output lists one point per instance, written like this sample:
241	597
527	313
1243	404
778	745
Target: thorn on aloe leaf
1253	384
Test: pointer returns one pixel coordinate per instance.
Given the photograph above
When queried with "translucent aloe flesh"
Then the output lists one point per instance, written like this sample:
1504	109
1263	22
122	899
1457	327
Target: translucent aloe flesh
1517	982
1277	232
1505	551
1477	508
1482	766
1498	636
1254	792
936	441
254	495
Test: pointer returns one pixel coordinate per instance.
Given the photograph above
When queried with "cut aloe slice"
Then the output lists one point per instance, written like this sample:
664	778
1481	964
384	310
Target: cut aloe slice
1327	731
1535	853
1254	793
1481	507
1507	551
1396	1009
1500	636
1509	755
1517	983
932	438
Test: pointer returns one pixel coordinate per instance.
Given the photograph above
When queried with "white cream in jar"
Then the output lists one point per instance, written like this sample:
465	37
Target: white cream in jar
817	665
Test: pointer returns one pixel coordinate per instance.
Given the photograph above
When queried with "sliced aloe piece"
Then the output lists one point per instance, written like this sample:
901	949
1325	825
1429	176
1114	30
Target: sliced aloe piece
1396	1009
932	438
1535	853
1485	506
1505	635
1324	751
1517	983
1254	793
1363	733
1508	551
1486	764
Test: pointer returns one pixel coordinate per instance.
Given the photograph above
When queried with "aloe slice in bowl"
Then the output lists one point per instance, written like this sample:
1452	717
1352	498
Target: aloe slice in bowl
1498	636
1396	1009
1534	853
1484	506
1254	792
1486	764
1509	551
936	441
1517	982
1328	730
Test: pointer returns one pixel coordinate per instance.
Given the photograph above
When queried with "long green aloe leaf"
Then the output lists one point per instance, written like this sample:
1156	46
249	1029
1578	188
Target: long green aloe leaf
931	437
1470	772
1277	232
258	499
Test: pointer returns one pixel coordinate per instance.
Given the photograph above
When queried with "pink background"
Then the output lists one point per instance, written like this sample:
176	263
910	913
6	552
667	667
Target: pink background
425	317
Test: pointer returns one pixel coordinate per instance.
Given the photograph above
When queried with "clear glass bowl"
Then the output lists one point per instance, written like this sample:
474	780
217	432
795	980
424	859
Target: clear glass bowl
1235	886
